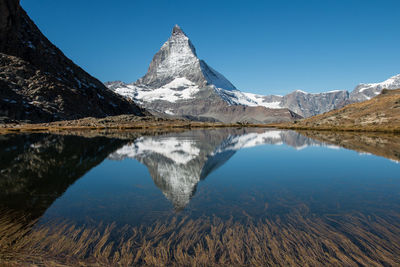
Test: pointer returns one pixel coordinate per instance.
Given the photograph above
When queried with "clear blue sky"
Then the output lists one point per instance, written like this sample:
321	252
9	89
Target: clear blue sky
260	46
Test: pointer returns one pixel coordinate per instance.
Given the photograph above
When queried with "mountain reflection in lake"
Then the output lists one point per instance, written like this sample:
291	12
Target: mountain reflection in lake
290	190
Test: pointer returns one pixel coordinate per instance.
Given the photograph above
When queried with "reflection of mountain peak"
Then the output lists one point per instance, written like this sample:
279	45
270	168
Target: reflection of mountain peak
174	162
180	151
177	162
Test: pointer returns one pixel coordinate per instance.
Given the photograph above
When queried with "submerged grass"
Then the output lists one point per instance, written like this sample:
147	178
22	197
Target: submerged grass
296	240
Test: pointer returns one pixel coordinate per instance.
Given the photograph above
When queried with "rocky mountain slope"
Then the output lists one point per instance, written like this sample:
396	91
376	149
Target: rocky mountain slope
311	104
305	104
39	83
379	113
178	83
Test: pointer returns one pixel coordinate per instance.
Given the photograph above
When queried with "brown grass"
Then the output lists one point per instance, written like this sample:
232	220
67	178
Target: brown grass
349	240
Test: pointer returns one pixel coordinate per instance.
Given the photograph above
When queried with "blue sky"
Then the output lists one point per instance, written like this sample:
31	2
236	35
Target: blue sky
268	47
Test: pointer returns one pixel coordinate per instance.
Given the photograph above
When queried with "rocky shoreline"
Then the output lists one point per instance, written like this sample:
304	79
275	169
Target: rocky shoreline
121	122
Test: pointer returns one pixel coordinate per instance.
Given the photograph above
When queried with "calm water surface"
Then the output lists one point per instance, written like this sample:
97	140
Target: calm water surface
231	174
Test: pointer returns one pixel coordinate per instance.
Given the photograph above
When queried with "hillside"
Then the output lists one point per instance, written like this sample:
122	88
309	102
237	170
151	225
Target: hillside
38	83
381	113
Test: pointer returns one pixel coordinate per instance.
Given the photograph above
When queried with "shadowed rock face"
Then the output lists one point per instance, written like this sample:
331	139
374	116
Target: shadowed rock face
39	83
177	162
36	169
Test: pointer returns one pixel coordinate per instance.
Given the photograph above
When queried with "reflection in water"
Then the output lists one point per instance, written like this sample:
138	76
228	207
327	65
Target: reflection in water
177	162
384	145
300	206
38	168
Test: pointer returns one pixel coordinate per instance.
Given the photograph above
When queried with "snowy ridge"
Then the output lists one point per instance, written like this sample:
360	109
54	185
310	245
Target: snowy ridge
366	91
259	101
391	83
236	97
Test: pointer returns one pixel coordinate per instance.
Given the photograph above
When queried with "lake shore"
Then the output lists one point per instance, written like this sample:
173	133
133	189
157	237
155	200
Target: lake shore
378	129
133	123
122	122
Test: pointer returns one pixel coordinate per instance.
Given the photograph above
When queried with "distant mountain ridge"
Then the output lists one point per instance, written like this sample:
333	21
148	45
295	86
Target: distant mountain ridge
311	104
381	113
39	83
366	91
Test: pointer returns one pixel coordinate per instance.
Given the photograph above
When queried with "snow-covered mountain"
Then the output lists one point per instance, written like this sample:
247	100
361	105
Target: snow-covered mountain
307	104
366	91
178	161
178	83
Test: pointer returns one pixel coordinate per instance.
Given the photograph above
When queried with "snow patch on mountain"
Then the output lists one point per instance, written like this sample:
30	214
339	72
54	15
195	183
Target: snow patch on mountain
259	101
178	89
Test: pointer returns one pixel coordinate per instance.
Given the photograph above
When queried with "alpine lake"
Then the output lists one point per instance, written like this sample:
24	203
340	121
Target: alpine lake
230	197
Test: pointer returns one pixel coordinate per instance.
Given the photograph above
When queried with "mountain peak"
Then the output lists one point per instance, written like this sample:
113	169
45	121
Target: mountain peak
177	30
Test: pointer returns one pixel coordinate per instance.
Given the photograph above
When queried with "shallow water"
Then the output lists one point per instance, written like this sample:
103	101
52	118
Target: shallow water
234	175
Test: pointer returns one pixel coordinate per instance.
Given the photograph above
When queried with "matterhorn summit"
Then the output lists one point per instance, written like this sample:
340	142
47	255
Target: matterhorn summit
179	84
177	59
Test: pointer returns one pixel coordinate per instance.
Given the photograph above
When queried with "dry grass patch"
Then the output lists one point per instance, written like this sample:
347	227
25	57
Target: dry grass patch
349	240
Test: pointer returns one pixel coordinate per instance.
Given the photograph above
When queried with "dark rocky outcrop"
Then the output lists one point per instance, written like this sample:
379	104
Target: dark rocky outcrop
39	83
